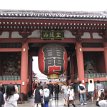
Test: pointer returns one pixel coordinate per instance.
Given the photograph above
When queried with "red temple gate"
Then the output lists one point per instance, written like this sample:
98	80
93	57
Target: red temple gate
82	34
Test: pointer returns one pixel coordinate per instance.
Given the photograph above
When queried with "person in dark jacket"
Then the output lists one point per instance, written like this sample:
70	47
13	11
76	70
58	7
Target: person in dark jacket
2	88
50	86
1	97
38	96
56	89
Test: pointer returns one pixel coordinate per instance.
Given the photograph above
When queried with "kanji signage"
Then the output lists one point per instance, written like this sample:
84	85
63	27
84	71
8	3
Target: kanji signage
51	34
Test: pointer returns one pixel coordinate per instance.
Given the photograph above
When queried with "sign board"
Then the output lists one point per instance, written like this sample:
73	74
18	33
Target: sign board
52	35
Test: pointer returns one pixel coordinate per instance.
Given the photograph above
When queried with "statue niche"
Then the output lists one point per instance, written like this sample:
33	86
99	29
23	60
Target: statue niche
90	67
11	64
10	68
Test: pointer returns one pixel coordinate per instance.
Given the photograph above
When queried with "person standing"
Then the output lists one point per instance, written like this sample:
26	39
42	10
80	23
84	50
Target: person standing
82	93
50	86
38	96
1	97
71	96
46	95
91	89
64	90
2	88
11	96
102	102
99	89
56	90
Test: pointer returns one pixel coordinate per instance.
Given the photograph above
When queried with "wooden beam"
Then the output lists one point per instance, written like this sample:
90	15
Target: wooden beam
66	40
10	49
92	49
11	40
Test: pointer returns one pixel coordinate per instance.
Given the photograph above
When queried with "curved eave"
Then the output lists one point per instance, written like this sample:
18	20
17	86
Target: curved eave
56	18
57	15
48	20
43	24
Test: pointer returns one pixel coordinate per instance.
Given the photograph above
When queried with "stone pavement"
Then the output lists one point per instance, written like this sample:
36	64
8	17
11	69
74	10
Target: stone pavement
55	103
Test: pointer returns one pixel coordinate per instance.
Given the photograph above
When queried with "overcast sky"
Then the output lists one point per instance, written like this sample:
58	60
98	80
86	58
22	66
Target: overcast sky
57	5
35	68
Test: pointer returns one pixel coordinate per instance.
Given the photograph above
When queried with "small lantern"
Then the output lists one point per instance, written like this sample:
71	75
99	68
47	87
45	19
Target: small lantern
52	59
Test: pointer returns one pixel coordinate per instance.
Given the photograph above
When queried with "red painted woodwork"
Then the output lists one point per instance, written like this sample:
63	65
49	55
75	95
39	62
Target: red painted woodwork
10	49
93	49
105	56
37	40
41	60
30	72
72	69
11	82
66	40
80	62
24	68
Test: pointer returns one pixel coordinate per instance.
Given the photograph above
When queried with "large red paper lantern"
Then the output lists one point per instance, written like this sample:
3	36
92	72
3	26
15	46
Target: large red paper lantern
52	59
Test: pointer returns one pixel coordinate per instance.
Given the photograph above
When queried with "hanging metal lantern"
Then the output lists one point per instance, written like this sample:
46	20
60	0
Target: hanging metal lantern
52	59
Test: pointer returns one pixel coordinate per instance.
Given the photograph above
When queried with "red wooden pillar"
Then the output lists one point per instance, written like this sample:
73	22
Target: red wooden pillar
72	69
80	62
105	55
30	72
24	68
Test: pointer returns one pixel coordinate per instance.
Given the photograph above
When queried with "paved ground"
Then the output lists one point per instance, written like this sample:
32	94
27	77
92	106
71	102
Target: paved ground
59	103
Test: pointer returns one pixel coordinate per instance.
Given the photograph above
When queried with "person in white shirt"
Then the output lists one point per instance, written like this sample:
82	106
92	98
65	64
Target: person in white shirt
46	95
70	96
11	96
102	102
64	90
91	89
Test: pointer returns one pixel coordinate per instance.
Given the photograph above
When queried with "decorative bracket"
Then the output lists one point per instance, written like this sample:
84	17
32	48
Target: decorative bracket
1	33
103	34
77	34
25	33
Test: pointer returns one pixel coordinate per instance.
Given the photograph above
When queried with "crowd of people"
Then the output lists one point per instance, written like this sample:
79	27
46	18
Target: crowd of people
85	92
41	98
44	92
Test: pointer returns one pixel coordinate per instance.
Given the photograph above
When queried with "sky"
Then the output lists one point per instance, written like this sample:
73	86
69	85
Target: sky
35	69
55	5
